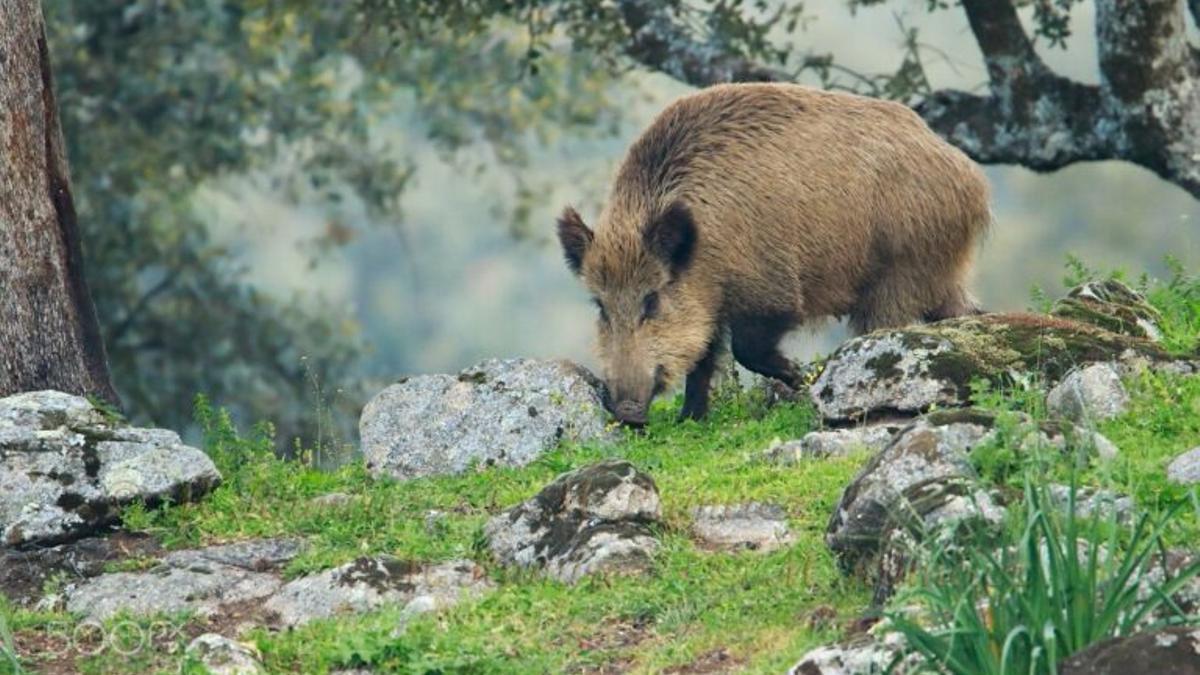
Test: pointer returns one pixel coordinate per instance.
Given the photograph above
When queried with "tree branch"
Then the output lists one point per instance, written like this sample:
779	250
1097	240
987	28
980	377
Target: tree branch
1007	50
663	44
1032	116
1142	46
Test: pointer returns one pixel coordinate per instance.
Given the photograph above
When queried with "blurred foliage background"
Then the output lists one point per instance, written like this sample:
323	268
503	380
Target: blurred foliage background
288	203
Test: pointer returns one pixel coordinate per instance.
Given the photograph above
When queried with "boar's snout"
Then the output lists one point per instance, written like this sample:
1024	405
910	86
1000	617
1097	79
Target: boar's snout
630	412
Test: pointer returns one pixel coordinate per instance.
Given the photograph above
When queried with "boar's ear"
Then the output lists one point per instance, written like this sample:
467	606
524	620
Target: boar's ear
575	238
672	237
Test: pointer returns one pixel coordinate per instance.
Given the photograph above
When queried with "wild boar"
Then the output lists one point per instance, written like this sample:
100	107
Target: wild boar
751	209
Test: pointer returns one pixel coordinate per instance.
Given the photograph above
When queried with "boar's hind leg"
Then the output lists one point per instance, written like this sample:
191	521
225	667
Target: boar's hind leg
755	344
695	394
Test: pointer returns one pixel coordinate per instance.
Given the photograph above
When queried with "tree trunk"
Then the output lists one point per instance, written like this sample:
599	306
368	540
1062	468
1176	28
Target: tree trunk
49	335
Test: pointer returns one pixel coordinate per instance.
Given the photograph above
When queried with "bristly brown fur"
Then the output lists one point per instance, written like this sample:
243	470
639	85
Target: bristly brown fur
803	203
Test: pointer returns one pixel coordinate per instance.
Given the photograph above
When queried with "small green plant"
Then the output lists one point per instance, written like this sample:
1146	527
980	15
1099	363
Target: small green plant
1059	584
8	649
1178	301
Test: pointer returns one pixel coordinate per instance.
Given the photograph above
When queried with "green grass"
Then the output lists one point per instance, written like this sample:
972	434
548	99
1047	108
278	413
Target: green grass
754	606
1049	586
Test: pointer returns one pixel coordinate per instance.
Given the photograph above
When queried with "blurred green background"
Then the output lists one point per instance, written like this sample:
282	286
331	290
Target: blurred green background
289	204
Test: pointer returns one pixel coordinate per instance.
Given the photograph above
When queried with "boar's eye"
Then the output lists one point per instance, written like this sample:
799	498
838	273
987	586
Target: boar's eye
600	306
650	305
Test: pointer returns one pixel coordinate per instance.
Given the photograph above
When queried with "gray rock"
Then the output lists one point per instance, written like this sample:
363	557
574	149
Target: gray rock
832	443
1089	395
257	555
863	655
922	482
1104	504
24	572
66	468
1160	570
912	369
199	588
1167	650
884	371
502	412
370	583
332	500
1185	468
759	527
222	656
594	519
1113	306
1105	449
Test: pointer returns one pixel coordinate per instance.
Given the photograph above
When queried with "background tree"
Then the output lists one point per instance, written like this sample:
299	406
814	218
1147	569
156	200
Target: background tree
1146	109
49	337
163	98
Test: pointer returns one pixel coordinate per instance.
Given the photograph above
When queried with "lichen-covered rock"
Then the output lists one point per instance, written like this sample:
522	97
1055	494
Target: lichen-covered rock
832	443
863	655
221	656
594	519
1185	468
922	482
758	527
502	412
1174	650
369	583
1110	305
66	467
1089	394
166	589
257	555
24	572
912	369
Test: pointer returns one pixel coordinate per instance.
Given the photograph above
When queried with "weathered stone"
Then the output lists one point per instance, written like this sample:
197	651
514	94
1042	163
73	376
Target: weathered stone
1089	395
832	443
922	482
912	369
1104	448
759	527
222	656
256	555
370	583
1161	569
863	655
332	500
24	573
1111	305
1185	468
66	468
1104	504
500	412
594	519
1174	650
199	588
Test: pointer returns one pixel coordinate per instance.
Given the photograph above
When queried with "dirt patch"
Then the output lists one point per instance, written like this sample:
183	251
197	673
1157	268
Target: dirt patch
718	660
612	641
24	573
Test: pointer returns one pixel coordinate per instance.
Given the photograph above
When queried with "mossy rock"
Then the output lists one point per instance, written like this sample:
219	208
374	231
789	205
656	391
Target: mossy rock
912	369
1111	305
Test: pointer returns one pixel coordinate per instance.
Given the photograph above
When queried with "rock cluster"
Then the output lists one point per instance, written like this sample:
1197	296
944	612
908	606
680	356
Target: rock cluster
66	467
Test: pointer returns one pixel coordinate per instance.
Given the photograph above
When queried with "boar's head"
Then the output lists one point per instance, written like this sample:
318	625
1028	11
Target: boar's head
655	319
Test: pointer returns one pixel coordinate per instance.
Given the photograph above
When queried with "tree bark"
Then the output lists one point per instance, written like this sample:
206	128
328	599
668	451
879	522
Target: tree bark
1146	109
49	335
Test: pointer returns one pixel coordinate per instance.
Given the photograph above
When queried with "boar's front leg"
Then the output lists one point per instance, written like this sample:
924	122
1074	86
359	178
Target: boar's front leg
755	342
699	381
